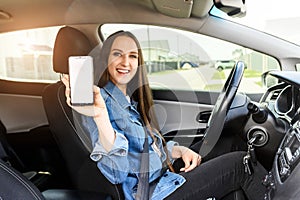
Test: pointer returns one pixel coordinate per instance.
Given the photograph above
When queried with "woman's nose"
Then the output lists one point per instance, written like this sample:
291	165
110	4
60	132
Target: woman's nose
125	60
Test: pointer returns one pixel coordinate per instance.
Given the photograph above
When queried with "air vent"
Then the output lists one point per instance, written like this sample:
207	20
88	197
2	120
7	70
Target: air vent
275	95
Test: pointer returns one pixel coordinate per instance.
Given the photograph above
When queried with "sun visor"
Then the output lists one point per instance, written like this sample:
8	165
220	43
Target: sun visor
174	8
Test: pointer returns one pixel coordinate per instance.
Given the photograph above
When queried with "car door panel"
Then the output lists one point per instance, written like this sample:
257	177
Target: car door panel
178	113
21	107
21	113
178	120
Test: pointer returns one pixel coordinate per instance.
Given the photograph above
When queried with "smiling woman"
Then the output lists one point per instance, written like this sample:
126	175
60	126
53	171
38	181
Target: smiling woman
182	42
130	150
123	61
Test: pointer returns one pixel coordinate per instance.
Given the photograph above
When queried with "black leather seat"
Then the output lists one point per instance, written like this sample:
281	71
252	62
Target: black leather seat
7	153
16	186
74	144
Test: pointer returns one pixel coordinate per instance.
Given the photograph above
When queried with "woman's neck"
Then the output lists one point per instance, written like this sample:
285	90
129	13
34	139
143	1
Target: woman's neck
122	87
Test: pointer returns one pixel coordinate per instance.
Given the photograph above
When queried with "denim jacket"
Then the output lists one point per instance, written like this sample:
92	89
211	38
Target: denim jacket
122	163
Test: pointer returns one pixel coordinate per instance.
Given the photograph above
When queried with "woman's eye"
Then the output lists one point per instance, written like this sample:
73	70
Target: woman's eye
117	54
133	56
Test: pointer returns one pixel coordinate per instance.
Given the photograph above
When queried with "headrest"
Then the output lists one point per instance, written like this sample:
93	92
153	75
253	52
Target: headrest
69	42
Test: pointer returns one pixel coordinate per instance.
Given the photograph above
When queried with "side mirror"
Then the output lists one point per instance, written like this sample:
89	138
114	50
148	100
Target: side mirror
233	8
268	81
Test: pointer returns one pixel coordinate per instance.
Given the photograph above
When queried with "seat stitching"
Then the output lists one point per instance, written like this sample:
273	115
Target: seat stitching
80	137
27	186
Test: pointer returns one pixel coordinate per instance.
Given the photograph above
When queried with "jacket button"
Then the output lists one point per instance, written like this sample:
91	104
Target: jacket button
176	182
165	175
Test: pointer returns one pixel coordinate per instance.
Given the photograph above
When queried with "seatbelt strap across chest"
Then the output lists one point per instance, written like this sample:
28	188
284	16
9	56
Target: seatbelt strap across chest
143	184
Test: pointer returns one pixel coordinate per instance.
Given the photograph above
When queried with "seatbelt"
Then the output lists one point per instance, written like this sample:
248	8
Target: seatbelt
143	184
3	154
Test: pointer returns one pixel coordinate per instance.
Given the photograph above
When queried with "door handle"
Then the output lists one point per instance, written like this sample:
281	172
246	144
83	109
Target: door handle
203	117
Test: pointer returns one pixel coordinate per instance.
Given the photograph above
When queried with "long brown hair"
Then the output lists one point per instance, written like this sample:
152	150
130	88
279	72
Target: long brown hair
138	87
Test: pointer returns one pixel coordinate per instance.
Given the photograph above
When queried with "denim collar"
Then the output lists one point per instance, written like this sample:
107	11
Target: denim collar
116	94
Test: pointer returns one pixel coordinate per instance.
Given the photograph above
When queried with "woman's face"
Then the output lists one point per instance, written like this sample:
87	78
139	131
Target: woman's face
122	61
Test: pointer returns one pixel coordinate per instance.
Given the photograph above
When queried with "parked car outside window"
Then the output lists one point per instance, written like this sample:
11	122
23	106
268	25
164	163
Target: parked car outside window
224	64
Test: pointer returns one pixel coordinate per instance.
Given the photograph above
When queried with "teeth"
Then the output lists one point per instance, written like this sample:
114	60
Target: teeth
123	70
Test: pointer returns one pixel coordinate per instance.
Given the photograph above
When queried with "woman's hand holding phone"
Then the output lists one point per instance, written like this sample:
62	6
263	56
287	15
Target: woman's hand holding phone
95	110
98	111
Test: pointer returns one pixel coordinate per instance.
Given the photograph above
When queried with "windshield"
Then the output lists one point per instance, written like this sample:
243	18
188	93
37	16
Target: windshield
275	17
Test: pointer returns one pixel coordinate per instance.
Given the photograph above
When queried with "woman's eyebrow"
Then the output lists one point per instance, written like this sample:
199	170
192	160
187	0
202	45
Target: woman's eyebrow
116	50
133	51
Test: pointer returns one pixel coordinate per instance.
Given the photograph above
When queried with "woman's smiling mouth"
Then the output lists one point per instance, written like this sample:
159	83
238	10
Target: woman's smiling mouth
123	71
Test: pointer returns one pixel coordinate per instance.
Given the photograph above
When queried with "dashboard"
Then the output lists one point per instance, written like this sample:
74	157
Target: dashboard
284	104
283	101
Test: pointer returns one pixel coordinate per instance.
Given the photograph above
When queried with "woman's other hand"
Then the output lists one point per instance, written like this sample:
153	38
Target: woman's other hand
189	157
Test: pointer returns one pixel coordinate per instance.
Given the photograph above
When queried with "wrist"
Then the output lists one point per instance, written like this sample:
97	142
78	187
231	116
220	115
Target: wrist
101	117
107	134
176	152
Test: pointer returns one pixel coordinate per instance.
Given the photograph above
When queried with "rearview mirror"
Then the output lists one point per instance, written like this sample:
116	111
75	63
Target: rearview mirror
233	8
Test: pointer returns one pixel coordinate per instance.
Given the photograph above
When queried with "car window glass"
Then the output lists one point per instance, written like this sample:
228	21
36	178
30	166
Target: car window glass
27	55
181	60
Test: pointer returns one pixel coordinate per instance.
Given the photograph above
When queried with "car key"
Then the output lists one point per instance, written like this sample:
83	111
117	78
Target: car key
246	163
251	150
253	155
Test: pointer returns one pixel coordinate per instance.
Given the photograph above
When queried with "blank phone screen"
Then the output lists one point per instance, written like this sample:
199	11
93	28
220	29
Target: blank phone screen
81	80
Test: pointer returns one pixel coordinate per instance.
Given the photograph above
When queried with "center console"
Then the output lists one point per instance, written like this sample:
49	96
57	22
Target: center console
289	153
282	182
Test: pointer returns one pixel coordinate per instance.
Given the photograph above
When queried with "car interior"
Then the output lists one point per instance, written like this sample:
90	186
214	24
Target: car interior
252	106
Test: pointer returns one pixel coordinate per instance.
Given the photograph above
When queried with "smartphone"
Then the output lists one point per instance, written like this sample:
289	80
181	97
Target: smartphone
81	76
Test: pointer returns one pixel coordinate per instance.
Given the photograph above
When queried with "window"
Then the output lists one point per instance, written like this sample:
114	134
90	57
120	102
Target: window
181	60
27	55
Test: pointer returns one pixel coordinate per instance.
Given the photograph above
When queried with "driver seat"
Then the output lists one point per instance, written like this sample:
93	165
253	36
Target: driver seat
74	144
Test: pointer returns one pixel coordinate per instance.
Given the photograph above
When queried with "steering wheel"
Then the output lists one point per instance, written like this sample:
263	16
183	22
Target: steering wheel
218	116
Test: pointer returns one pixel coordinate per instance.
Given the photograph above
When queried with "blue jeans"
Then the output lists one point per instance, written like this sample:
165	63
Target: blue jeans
221	176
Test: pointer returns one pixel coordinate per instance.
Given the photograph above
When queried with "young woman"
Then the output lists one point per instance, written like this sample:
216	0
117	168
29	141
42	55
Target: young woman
122	124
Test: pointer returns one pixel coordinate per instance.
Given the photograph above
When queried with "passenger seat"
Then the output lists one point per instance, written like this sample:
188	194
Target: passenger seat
9	156
16	186
7	153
